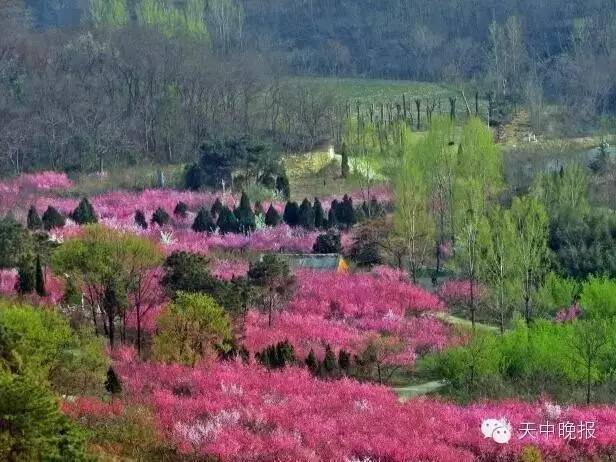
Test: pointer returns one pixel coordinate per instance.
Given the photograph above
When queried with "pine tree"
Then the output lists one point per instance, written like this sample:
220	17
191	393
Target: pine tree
344	167
216	208
332	219
181	210
347	212
193	177
312	363
344	360
112	383
272	217
160	217
25	278
291	214
227	221
282	187
306	215
39	278
204	223
52	219
140	219
34	221
244	214
329	362
319	214
84	213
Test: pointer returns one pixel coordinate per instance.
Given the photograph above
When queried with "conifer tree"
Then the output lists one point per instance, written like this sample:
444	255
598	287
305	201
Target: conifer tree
84	213
181	210
244	214
272	217
319	214
34	221
227	221
312	363
291	214
216	208
204	223
160	217
282	186
52	219
39	278
140	219
112	383
306	215
25	277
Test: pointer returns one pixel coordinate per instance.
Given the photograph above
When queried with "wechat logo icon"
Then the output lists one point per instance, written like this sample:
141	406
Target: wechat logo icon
497	429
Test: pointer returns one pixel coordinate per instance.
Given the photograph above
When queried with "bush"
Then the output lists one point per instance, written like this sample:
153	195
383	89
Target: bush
161	217
328	243
282	187
556	293
84	213
193	177
203	222
277	356
216	207
188	272
244	214
52	219
598	298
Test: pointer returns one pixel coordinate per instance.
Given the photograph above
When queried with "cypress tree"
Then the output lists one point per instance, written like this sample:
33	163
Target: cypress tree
181	210
332	215
272	217
329	362
34	221
312	363
245	215
204	222
306	215
216	207
227	222
25	278
161	217
291	214
112	383
39	278
140	219
344	360
319	214
282	186
52	219
347	212
84	213
193	177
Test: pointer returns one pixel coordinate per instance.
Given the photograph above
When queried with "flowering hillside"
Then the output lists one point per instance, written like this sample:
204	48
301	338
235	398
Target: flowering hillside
239	413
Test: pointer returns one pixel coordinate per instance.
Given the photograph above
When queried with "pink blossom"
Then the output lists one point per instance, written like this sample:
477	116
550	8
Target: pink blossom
569	314
458	291
227	269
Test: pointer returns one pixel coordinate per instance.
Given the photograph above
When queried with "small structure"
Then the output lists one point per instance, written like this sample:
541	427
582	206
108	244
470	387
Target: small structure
320	261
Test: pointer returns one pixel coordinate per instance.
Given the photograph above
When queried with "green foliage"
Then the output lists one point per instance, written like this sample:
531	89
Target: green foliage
227	221
15	244
204	223
53	219
244	214
291	214
216	207
188	272
190	328
277	356
39	278
112	383
312	363
282	187
272	276
34	221
320	221
598	298
272	217
329	367
84	213
328	243
193	177
172	20
556	293
33	428
160	217
109	12
25	277
49	351
306	216
564	189
344	167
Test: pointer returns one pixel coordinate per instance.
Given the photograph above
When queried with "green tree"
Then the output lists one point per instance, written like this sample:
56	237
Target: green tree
140	219
203	222
15	243
193	177
306	217
52	219
589	341
598	298
109	12
160	217
216	207
327	243
282	187
275	281
530	225
272	217
25	277
188	272
84	213
344	166
320	220
291	214
244	214
180	210
39	278
34	221
33	428
190	328
565	188
112	383
227	221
